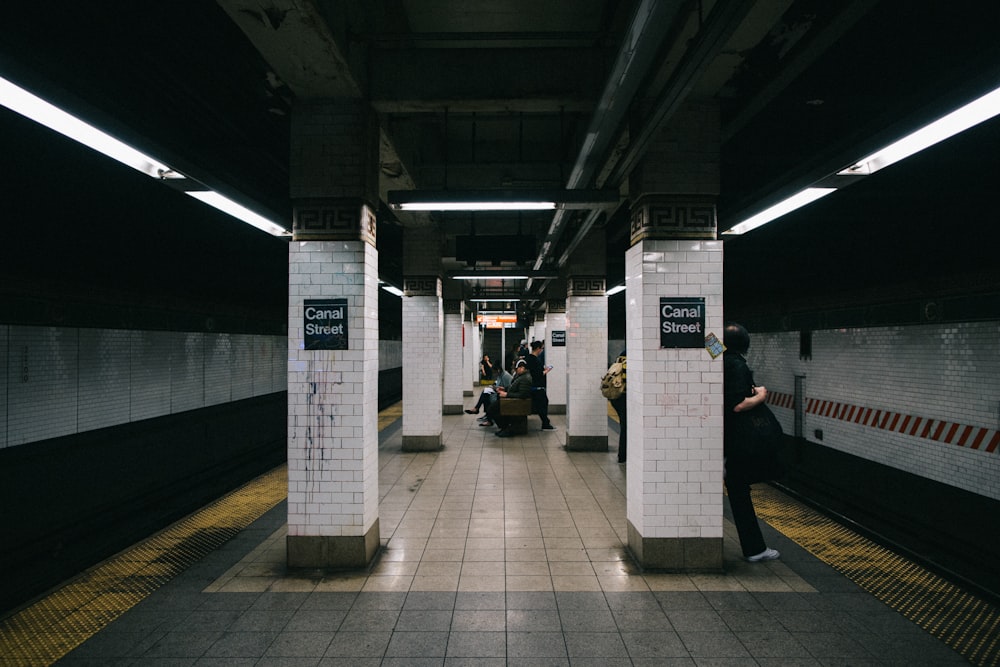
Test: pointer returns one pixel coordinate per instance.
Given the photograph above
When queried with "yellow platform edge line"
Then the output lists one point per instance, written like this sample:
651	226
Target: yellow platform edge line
926	599
46	630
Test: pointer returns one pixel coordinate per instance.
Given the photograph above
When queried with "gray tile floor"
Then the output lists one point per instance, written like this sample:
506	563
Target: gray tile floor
505	552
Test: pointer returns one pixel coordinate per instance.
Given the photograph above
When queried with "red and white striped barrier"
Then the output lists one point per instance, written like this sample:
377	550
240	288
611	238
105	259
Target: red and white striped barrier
939	430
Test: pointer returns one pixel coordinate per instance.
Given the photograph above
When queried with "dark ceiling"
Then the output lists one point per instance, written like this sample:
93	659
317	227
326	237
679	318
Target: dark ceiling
504	94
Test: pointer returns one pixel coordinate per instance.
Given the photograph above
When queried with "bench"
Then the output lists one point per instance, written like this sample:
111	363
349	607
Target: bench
518	410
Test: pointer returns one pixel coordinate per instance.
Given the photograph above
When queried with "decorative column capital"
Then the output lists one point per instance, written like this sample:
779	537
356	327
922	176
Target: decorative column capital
586	286
666	217
333	219
422	286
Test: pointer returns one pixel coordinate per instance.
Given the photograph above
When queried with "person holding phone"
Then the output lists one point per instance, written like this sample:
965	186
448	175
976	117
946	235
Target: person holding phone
539	396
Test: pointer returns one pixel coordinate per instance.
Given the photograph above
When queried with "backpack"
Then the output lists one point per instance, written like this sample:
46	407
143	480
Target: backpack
613	382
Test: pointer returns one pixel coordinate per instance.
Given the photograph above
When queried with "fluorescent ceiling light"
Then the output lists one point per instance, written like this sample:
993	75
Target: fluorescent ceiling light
479	206
238	211
798	200
961	119
499	200
392	289
31	106
615	290
495	299
490	276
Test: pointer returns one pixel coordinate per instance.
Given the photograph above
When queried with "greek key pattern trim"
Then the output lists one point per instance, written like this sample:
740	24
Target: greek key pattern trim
422	286
333	220
666	219
586	286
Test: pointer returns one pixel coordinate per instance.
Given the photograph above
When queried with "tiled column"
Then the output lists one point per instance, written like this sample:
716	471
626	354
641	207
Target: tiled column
454	357
586	352
332	340
473	353
674	488
423	327
555	355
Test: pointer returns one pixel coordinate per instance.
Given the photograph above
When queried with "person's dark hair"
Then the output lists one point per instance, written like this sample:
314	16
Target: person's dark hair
736	338
535	344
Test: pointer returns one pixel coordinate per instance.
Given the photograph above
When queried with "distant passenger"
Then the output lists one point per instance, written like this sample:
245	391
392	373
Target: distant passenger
741	395
519	388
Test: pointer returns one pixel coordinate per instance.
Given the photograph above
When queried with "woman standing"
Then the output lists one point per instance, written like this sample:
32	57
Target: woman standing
741	395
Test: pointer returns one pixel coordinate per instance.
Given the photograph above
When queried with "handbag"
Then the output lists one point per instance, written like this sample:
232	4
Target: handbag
760	450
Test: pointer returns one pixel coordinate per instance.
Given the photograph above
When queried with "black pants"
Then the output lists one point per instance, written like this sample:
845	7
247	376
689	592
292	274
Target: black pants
485	398
540	404
619	405
744	516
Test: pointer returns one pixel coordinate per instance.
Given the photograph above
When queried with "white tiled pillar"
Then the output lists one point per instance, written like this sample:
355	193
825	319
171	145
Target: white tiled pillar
674	488
586	351
473	353
555	355
333	408
423	329
333	338
454	357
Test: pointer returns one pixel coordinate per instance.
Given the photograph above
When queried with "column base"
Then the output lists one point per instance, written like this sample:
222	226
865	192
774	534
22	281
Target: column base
676	554
557	408
422	443
452	409
587	443
340	551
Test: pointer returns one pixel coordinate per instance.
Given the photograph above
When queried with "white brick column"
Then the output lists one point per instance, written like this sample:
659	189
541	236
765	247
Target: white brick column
454	357
555	355
423	330
674	503
333	362
473	353
674	488
586	351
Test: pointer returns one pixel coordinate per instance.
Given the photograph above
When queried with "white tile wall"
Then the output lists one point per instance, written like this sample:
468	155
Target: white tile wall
558	378
105	388
586	340
423	322
674	395
150	374
57	381
948	372
187	371
42	392
454	360
218	368
243	366
333	395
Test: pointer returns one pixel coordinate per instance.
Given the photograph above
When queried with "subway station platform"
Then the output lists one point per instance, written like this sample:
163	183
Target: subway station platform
497	551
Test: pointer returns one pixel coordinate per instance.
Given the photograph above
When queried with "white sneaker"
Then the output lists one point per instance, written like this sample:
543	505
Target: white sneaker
766	554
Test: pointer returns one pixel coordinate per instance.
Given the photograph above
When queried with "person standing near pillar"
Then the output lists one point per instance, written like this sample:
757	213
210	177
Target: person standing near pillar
539	396
741	395
619	404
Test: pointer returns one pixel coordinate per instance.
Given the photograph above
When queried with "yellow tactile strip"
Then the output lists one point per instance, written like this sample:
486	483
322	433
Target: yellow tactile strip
45	631
966	623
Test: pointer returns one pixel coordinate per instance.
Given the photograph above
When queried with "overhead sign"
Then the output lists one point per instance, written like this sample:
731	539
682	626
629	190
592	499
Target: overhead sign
325	324
682	322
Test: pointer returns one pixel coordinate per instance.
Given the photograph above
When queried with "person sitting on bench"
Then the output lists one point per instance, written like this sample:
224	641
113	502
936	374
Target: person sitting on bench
519	388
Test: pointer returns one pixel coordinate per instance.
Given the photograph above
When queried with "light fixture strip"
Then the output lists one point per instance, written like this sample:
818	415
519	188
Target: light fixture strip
955	122
784	207
31	106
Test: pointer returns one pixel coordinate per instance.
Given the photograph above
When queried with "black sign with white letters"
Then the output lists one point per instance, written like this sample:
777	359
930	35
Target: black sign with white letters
559	338
682	322
325	324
